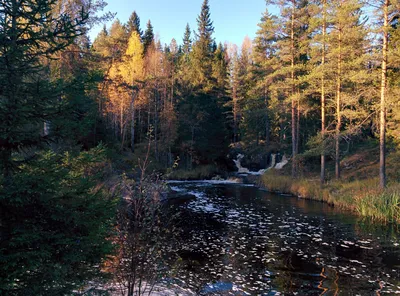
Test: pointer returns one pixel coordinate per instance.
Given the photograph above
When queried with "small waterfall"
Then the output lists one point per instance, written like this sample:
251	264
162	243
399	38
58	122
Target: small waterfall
243	170
237	161
282	163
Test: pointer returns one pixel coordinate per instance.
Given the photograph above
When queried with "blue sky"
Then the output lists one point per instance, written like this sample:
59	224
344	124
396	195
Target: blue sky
233	19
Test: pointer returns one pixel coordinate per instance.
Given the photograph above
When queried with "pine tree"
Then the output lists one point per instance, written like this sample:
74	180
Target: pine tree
101	43
382	122
249	119
263	69
346	56
292	46
234	68
118	38
318	74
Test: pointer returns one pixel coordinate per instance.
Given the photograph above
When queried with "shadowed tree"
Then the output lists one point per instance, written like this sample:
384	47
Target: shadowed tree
148	37
187	41
202	51
53	223
134	24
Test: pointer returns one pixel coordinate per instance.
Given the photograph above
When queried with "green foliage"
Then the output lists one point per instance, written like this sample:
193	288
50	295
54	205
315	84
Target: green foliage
55	224
202	50
134	24
205	28
78	114
29	33
148	37
187	40
201	129
116	40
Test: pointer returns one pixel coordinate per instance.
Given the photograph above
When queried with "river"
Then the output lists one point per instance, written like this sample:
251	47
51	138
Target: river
236	239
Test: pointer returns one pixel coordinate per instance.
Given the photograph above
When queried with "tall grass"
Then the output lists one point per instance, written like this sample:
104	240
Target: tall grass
384	206
363	197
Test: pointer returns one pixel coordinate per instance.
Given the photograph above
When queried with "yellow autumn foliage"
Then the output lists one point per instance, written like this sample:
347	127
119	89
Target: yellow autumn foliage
124	75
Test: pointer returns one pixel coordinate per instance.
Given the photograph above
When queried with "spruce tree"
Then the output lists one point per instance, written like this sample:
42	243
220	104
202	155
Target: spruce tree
53	223
220	69
29	34
148	37
202	131
202	52
134	24
205	29
187	41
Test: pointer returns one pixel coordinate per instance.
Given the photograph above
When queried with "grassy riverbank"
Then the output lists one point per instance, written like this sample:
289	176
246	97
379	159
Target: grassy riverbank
357	189
363	197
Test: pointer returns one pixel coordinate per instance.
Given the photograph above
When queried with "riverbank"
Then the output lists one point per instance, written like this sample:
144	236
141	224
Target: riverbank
363	197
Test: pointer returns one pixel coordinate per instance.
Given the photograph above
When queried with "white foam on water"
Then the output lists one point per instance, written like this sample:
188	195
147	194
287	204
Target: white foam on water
198	194
177	189
210	182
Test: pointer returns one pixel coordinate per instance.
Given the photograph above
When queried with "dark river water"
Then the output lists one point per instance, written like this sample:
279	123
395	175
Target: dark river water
239	240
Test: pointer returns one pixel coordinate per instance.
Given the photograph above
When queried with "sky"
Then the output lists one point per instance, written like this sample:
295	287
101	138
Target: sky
232	19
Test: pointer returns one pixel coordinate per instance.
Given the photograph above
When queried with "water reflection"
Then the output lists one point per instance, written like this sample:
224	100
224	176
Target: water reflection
238	240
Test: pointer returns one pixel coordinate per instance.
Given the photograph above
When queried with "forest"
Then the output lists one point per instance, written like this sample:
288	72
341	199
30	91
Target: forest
85	122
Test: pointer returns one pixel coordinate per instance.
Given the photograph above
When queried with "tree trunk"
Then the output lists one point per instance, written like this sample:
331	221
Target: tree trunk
235	114
322	176
338	101
139	125
115	123
267	133
382	121
294	138
282	120
298	123
133	123
148	118
121	121
156	97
